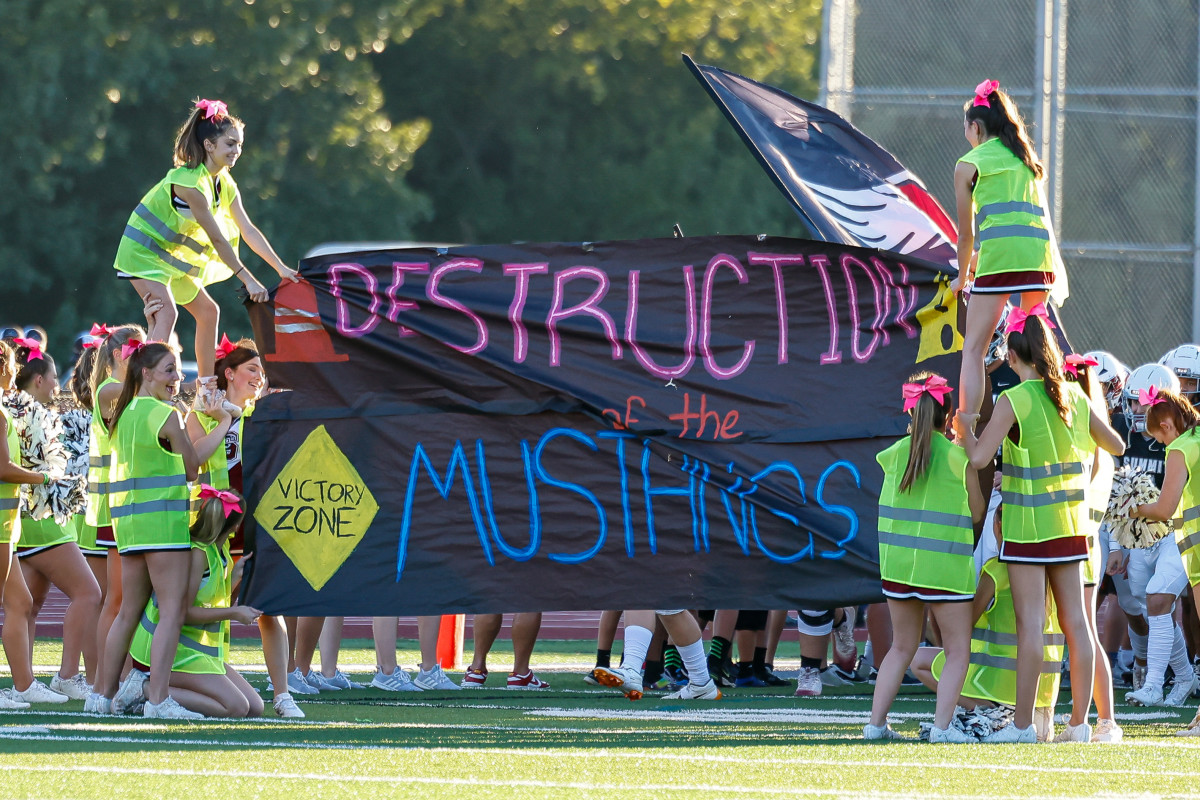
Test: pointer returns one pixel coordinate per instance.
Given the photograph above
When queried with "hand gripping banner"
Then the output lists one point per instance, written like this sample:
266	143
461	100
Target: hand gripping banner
656	423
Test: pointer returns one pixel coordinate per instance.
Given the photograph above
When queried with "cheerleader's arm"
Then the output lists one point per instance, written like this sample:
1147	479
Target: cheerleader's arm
1176	477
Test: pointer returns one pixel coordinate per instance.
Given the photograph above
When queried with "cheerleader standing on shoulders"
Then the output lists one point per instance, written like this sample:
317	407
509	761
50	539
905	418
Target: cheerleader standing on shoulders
927	507
1043	489
1174	422
12	477
153	461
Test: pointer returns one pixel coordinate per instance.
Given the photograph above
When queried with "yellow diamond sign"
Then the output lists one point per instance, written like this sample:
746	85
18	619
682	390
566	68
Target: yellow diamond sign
317	508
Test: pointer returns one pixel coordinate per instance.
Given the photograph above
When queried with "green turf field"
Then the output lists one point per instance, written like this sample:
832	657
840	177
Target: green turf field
572	741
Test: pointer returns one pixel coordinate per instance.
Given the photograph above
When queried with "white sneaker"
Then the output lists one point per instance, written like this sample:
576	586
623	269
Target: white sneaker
1148	695
337	683
1181	690
96	703
398	681
1138	675
131	693
7	703
286	707
951	735
697	691
1011	734
1075	733
295	683
435	681
1193	728
884	731
38	692
1107	731
75	687
844	647
626	679
808	682
168	709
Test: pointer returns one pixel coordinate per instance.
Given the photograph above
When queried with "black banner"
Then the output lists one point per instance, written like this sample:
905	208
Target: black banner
657	423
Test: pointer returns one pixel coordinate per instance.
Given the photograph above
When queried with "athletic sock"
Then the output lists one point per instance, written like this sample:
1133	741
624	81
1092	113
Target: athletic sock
809	663
695	662
603	658
1158	649
637	644
652	673
718	647
760	659
1138	642
1180	664
671	659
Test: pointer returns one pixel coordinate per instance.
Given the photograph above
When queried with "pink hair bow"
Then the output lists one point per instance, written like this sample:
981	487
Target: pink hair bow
35	347
1018	317
99	330
1151	397
935	386
131	347
1074	361
983	90
213	109
90	343
229	501
225	347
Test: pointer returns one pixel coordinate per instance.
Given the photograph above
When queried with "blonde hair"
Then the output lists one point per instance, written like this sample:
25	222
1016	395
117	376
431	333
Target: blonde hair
210	521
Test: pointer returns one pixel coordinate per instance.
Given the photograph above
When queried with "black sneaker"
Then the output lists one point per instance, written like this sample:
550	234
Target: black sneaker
768	676
723	679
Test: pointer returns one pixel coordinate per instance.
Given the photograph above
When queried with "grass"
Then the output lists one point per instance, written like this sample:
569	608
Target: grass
572	741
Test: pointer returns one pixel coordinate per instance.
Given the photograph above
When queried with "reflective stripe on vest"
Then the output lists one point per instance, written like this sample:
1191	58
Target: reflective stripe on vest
1001	662
10	503
1007	231
100	462
925	515
164	230
150	627
1012	206
152	482
145	241
150	507
1189	541
1042	472
923	543
1096	515
1010	639
1043	499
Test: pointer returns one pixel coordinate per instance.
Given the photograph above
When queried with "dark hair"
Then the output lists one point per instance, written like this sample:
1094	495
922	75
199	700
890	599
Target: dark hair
1037	346
244	350
145	358
1002	120
210	521
106	353
81	378
28	369
195	131
1175	408
928	420
1084	377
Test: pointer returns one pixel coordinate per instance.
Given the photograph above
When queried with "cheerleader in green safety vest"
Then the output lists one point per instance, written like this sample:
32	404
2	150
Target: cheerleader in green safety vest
927	509
1001	206
1043	489
153	460
1173	422
184	234
12	477
202	679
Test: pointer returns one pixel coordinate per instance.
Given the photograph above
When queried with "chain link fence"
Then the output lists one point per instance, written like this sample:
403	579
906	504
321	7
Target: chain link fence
1110	92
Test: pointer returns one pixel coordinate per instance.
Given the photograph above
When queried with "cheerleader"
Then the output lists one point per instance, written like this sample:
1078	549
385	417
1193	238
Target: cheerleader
12	477
153	460
1043	489
184	233
49	555
1173	421
201	679
927	509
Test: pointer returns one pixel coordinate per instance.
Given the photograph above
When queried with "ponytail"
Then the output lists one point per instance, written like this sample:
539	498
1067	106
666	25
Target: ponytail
1175	408
199	128
106	356
928	420
81	378
145	358
1035	345
1002	119
210	521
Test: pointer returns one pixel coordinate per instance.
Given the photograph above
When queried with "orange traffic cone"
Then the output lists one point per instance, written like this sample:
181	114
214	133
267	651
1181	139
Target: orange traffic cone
450	641
299	334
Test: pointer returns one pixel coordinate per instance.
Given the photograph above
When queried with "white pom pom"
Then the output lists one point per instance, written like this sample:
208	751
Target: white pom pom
1133	486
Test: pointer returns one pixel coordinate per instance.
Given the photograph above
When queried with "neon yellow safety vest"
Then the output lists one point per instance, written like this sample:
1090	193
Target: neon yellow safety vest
159	233
149	490
1043	486
1091	514
99	465
925	534
10	493
215	471
1014	234
992	671
203	649
1187	516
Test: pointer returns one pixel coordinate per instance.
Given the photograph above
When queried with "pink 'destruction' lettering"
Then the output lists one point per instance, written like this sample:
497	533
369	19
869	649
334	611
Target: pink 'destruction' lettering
833	355
343	308
906	296
590	307
395	304
516	309
861	355
710	361
433	292
689	339
777	263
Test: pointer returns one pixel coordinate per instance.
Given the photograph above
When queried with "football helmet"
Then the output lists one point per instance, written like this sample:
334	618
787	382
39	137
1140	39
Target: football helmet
1140	380
1112	375
1184	361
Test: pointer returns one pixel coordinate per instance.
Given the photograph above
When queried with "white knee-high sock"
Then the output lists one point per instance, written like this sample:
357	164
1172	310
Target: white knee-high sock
637	644
1158	648
695	661
1138	643
1180	665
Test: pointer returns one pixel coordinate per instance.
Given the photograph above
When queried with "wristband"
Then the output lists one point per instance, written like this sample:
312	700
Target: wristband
45	479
